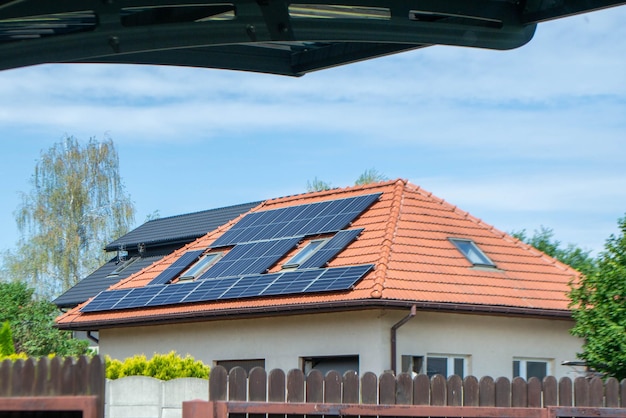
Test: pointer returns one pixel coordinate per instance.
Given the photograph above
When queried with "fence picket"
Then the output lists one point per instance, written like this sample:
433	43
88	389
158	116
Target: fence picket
6	369
421	390
275	389
581	392
565	392
67	377
503	392
622	393
16	378
218	384
404	389
596	392
257	388
438	390
550	391
519	393
333	387
487	394
295	388
534	393
611	393
454	391
350	387
315	386
369	388
470	391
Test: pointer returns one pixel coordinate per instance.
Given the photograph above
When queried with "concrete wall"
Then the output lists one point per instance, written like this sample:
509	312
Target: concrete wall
146	397
489	342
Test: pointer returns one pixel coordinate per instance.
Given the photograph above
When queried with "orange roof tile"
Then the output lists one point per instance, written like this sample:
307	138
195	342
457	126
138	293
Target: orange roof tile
406	236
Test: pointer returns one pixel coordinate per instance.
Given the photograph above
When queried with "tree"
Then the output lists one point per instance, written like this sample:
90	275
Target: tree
599	308
7	346
370	175
572	255
77	204
317	185
32	323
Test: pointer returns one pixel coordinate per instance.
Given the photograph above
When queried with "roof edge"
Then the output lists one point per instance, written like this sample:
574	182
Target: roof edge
321	307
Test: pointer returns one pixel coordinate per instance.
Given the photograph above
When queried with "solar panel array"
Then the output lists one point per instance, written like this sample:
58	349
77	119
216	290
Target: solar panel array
177	267
260	239
251	258
274	284
310	219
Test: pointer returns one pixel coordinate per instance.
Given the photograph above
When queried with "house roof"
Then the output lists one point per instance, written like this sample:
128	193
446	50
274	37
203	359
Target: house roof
179	228
406	237
159	237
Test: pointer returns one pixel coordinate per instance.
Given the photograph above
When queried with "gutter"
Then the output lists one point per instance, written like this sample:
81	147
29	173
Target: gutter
336	306
394	330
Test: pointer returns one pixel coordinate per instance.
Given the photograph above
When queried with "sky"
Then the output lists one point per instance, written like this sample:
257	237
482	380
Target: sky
522	139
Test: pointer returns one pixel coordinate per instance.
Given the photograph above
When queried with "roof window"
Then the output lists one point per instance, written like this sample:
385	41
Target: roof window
122	265
471	251
200	266
311	248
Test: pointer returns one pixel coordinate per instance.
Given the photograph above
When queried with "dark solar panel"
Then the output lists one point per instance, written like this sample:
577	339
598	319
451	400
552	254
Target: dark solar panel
331	248
105	301
302	220
177	267
283	283
251	258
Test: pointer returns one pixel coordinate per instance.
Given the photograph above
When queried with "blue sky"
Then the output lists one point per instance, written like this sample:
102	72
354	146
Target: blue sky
524	138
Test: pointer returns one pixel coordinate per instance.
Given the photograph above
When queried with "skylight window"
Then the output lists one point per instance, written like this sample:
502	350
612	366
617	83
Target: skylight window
471	251
200	266
305	253
122	265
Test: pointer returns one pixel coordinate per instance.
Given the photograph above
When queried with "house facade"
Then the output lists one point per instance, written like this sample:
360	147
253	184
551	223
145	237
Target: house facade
372	278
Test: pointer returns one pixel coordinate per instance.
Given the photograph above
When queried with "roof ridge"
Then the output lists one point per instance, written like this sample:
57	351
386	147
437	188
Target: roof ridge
390	232
329	192
202	211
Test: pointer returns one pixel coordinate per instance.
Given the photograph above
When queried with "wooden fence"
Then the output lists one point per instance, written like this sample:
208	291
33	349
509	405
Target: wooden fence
60	387
404	395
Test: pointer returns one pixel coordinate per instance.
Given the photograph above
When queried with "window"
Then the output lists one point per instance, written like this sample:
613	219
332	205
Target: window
471	251
527	368
247	365
122	265
305	253
340	364
200	266
446	365
413	364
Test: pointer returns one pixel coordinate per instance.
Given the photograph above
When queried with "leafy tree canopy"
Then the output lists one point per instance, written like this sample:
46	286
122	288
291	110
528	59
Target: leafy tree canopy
572	255
76	205
32	323
599	308
370	175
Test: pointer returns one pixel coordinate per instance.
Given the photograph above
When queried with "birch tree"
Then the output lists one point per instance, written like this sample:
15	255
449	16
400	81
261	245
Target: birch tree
77	204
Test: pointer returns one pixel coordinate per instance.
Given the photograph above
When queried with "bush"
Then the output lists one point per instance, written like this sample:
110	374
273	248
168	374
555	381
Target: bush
160	366
6	340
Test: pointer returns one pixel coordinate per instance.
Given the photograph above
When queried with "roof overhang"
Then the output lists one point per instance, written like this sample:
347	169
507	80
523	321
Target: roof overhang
311	308
269	36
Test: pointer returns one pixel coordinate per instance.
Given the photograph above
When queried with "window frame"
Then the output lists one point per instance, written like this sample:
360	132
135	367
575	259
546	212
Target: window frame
523	366
451	366
474	250
302	255
123	265
200	266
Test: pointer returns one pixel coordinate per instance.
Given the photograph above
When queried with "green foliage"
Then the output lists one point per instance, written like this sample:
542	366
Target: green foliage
76	205
599	308
6	340
317	185
161	366
370	175
32	323
14	357
573	256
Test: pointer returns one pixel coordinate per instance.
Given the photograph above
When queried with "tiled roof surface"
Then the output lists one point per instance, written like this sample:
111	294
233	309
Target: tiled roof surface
181	227
406	236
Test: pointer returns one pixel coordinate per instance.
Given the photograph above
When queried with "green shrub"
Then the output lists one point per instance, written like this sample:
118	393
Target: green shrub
6	340
160	366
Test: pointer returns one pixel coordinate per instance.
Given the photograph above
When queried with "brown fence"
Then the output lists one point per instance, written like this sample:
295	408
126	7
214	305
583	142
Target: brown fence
404	395
62	387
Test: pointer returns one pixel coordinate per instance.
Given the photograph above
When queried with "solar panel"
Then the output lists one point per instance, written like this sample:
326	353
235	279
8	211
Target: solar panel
331	248
105	301
177	267
282	283
310	219
251	258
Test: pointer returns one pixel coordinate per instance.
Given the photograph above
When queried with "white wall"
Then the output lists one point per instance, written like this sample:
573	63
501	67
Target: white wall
491	341
146	397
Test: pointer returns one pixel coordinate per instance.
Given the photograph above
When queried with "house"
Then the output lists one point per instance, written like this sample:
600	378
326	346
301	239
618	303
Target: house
371	278
142	247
